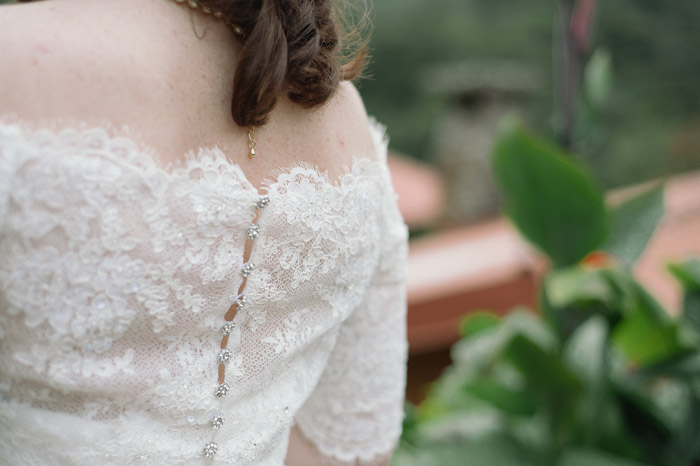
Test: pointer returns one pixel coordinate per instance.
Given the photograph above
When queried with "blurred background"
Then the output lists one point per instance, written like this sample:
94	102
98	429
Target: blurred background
545	155
431	58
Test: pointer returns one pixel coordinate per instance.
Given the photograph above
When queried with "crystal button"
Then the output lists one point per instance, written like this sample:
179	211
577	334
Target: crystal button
262	202
217	421
221	390
210	449
253	231
224	356
247	269
228	327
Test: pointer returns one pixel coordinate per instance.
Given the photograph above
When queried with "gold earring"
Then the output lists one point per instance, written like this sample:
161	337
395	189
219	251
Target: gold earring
251	142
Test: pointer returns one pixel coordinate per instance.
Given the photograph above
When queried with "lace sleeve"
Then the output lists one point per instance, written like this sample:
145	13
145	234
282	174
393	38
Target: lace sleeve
354	414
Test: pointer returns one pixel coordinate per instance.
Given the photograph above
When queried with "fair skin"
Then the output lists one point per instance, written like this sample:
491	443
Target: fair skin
138	63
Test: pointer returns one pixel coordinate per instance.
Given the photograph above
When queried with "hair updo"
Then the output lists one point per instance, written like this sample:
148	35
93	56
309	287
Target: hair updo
290	47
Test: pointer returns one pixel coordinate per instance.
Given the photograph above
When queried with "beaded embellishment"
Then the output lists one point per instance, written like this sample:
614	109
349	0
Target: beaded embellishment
225	355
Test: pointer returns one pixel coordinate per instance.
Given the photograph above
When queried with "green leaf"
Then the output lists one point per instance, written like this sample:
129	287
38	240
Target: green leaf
691	310
633	224
409	424
576	285
688	273
548	196
598	78
572	295
687	443
632	297
644	340
554	387
478	321
644	422
586	353
685	365
474	352
488	450
447	394
594	458
501	397
462	425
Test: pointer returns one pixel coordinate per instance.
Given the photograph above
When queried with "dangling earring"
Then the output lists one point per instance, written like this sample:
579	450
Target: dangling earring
251	142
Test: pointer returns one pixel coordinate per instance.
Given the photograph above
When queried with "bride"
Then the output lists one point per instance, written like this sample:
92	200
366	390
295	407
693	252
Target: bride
202	260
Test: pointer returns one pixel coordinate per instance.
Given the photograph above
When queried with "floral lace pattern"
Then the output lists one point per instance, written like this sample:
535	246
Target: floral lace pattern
115	278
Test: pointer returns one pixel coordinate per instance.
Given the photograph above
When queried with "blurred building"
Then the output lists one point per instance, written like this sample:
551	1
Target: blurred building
479	95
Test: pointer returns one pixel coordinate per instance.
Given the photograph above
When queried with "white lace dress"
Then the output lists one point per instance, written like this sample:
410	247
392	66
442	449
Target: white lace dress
116	274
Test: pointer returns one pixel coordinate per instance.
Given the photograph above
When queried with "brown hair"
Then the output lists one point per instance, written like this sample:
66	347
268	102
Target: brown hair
290	47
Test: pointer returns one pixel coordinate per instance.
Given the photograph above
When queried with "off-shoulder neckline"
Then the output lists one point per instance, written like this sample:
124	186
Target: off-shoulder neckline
56	130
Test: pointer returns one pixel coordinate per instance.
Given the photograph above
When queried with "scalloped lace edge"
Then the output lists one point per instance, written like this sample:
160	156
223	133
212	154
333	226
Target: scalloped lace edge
55	127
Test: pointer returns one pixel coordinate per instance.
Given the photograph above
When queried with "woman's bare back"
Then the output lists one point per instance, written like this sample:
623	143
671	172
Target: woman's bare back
165	72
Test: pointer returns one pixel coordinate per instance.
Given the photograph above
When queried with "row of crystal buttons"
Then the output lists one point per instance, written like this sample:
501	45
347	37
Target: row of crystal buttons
253	231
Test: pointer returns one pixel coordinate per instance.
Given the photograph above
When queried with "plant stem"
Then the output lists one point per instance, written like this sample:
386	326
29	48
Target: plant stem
569	74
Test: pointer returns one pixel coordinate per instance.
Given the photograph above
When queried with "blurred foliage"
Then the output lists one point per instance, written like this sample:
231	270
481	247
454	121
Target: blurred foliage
647	127
549	196
601	375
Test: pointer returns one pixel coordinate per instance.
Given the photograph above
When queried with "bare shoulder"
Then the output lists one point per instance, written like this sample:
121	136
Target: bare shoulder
71	60
143	65
351	118
22	53
45	60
